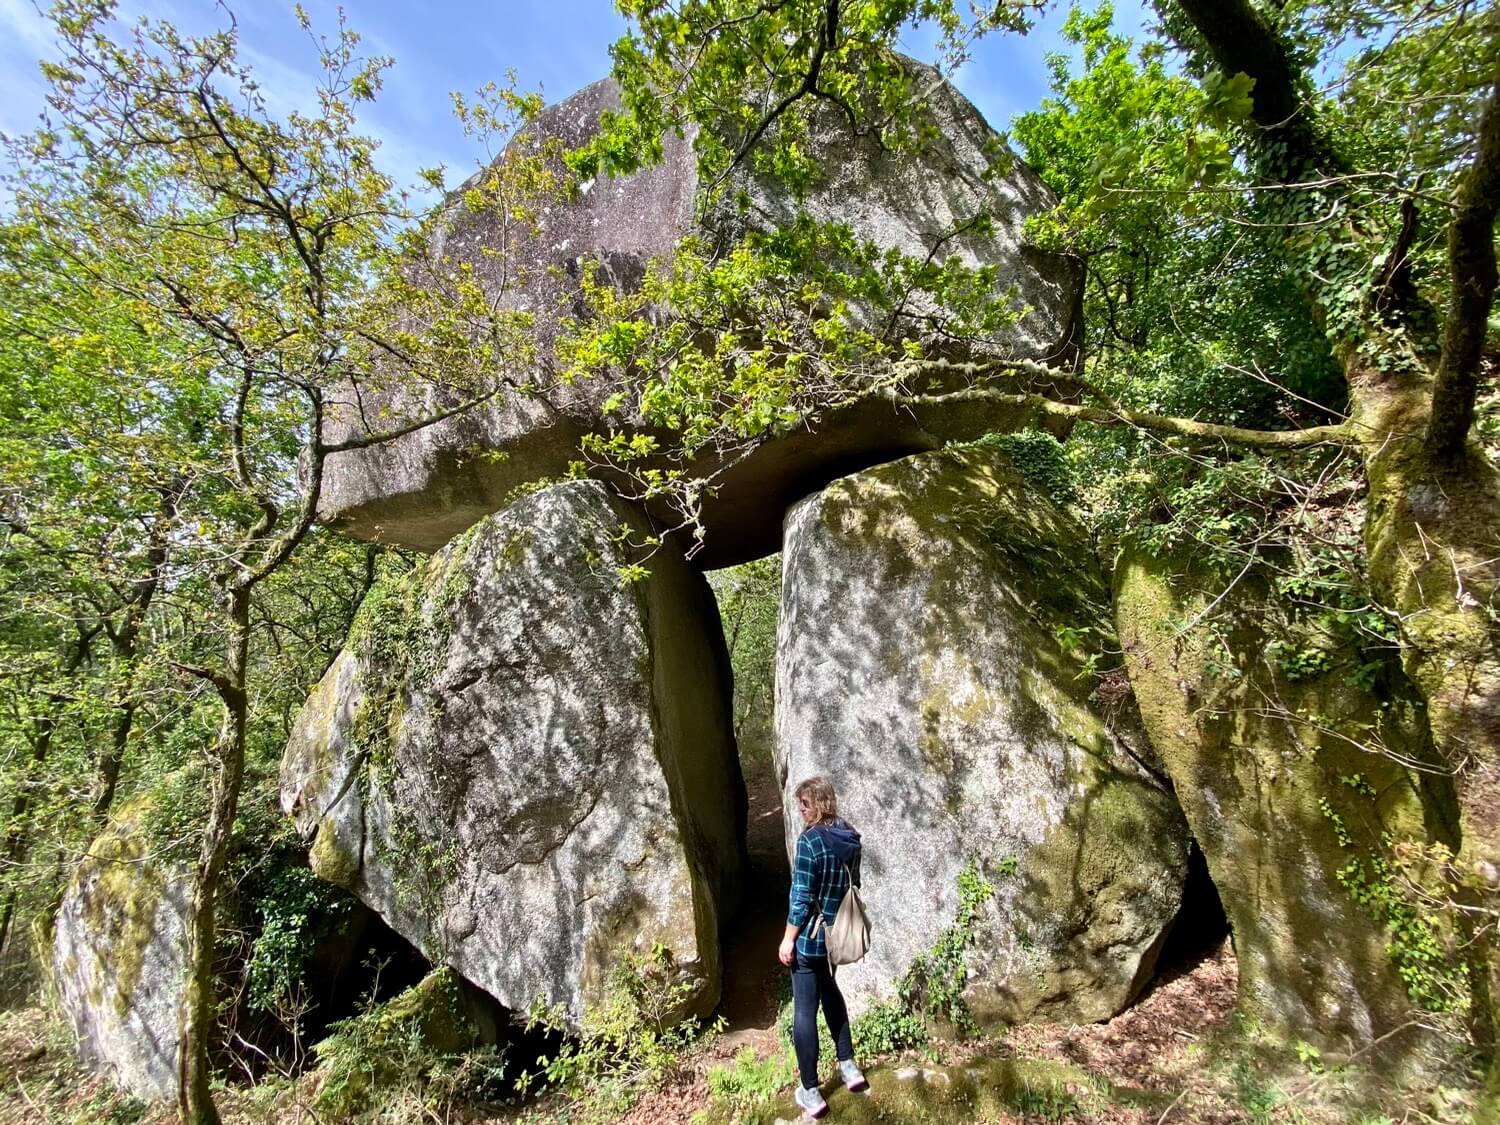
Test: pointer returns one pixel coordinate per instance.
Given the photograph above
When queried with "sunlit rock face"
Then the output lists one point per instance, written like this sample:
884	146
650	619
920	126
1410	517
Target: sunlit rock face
524	761
920	670
120	955
425	488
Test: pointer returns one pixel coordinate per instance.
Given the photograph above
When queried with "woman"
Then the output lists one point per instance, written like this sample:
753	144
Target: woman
828	853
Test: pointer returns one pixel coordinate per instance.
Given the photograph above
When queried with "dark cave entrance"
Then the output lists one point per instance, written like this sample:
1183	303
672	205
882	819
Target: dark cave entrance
357	963
751	972
1198	931
365	962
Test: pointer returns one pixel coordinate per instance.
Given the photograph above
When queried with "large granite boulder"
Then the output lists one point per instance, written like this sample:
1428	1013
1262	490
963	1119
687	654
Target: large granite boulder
920	668
120	955
523	759
425	488
1305	774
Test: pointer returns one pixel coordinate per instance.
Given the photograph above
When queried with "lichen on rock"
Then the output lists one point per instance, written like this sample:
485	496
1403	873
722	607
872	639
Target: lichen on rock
525	764
920	668
120	954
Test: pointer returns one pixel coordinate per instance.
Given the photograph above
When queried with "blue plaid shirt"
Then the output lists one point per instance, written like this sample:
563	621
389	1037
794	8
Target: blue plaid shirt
819	878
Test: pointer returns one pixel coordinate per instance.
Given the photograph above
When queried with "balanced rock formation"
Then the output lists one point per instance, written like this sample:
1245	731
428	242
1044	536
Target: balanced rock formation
425	488
1299	775
919	668
523	759
120	955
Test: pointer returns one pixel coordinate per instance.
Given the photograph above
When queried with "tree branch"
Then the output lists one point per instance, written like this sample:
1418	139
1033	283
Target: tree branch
226	687
809	85
1182	427
365	441
1242	42
1471	264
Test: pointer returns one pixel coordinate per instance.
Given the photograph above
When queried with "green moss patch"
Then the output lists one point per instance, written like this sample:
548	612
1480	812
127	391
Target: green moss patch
983	1090
406	1041
123	902
1310	786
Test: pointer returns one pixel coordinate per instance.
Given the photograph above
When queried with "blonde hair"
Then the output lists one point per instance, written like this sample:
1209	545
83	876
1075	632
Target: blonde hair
820	796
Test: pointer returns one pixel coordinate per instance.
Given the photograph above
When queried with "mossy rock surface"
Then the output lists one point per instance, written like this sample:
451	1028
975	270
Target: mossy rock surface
427	1027
525	762
927	664
982	1090
120	952
1302	786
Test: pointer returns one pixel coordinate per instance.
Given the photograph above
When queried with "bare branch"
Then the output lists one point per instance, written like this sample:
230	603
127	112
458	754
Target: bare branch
226	687
1182	427
365	441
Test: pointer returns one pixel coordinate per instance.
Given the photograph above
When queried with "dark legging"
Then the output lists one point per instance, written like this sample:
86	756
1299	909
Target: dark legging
812	980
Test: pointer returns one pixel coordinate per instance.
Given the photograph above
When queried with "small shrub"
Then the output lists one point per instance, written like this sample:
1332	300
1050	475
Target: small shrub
416	1054
1045	1103
886	1029
934	984
1259	1099
749	1086
629	1045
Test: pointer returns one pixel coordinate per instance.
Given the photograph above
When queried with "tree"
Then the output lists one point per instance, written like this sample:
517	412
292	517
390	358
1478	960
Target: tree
1434	502
248	286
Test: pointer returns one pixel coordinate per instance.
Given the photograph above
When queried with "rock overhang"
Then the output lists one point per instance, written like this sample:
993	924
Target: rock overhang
421	490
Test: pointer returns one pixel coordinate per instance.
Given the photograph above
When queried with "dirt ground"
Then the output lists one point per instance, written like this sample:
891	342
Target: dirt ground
751	971
1165	1061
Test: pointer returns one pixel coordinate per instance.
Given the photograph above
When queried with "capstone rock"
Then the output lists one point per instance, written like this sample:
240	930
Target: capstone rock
523	760
423	489
919	668
120	955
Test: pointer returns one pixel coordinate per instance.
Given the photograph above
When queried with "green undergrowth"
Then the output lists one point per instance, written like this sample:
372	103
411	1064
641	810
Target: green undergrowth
629	1045
420	1051
1040	458
929	997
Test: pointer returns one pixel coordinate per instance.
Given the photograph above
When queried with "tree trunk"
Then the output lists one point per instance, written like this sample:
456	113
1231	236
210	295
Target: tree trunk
194	1101
16	836
1471	260
1432	537
113	757
1432	531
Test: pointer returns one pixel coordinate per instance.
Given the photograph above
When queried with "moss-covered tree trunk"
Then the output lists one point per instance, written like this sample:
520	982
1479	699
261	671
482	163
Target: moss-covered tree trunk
194	1101
1432	532
1432	535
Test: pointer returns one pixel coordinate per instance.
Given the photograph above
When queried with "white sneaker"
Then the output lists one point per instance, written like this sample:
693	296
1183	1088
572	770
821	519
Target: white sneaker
853	1077
811	1101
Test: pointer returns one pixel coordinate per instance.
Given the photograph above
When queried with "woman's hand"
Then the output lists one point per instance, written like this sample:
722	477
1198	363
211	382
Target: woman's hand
788	950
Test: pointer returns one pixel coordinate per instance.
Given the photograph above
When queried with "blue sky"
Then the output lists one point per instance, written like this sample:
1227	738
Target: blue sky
557	45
